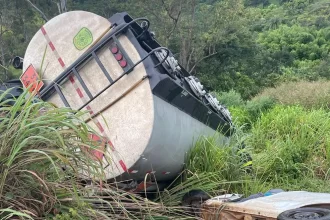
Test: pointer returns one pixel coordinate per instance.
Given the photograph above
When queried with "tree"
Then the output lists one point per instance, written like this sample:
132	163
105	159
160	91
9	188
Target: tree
7	16
255	3
229	44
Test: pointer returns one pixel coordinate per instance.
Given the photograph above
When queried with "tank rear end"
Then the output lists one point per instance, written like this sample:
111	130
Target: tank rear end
140	100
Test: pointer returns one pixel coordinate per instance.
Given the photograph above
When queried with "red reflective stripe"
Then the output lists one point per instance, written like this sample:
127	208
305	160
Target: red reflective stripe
89	109
111	145
43	30
71	79
140	186
97	154
79	93
98	124
52	46
61	62
122	164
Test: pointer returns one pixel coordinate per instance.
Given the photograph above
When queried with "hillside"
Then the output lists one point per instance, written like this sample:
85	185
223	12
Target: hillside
242	45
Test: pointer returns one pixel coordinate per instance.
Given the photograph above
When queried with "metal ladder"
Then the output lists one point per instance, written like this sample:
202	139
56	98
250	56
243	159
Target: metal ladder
116	49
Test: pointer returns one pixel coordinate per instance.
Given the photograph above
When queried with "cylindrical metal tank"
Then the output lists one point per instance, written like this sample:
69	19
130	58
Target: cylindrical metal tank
150	116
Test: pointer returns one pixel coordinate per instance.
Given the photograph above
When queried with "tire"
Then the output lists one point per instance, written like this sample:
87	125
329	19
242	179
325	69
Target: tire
305	214
15	92
192	201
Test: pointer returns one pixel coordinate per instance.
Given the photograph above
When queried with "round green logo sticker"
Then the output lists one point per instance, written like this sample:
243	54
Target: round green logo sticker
83	39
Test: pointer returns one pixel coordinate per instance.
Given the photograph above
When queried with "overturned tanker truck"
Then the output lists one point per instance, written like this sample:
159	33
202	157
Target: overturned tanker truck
139	98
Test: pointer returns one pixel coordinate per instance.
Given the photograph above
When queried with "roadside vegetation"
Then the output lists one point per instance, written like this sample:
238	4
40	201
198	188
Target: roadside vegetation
269	59
42	159
45	167
287	133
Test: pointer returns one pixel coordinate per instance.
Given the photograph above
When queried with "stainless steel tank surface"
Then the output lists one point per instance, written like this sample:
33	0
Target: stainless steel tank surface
139	98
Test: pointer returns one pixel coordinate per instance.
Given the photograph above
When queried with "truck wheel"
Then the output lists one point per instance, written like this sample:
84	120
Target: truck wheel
192	201
305	214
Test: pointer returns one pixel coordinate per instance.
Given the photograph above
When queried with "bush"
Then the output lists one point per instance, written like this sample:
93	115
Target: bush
259	105
230	99
245	115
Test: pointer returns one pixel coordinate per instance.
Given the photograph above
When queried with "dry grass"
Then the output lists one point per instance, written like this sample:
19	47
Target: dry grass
307	94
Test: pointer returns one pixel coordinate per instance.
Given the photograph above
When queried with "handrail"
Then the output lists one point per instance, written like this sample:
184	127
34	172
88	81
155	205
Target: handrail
125	73
87	55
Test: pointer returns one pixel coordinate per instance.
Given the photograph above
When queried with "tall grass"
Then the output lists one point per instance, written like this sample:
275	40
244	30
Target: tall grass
42	166
220	166
40	157
291	143
41	163
210	156
290	149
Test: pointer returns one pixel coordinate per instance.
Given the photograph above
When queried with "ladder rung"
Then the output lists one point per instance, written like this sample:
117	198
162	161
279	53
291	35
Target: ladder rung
75	72
102	67
59	91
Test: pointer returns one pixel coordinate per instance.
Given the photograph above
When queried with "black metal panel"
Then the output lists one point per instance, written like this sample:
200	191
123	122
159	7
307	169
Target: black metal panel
180	98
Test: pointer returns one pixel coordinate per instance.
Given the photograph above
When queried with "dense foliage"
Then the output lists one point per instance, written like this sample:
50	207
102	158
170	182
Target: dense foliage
230	44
